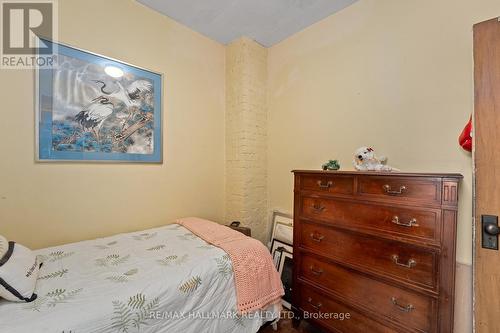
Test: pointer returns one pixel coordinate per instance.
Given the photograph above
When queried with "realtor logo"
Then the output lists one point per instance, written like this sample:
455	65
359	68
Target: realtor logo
22	23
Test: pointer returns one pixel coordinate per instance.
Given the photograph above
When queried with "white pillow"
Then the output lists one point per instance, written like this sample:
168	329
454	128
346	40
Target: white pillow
4	246
18	273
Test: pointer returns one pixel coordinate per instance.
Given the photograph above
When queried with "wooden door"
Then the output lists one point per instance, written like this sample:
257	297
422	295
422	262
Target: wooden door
487	172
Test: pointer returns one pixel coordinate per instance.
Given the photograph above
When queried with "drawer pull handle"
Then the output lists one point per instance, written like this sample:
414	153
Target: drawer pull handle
407	308
317	238
325	185
411	223
316	306
316	272
411	263
387	189
318	208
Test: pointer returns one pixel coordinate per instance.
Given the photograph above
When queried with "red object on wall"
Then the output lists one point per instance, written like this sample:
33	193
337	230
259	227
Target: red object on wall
465	138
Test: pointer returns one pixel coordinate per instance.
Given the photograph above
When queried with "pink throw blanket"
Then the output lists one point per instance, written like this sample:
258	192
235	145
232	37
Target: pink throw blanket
257	282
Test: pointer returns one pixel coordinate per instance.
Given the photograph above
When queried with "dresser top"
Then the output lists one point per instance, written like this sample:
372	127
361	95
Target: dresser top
383	173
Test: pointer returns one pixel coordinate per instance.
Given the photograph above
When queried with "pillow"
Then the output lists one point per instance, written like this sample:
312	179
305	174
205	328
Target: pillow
18	272
4	246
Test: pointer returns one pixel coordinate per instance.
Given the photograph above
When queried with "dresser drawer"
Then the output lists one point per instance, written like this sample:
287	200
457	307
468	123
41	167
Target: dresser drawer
385	258
410	309
328	184
314	303
403	189
418	224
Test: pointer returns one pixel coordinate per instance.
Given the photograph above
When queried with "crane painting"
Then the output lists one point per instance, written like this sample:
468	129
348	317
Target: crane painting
93	108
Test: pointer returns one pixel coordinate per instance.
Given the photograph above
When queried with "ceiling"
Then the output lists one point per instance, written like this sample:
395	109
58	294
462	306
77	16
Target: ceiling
266	21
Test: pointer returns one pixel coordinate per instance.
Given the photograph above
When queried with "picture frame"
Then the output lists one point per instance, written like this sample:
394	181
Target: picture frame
93	108
277	258
277	244
277	249
286	273
282	227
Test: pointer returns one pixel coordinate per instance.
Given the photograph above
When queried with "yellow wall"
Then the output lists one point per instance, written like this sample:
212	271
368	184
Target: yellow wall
394	74
389	73
48	204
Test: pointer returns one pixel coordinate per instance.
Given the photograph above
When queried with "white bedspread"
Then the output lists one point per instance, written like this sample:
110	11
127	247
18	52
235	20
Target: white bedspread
160	280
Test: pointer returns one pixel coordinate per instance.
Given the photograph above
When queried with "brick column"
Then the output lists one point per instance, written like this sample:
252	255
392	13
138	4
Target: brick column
246	135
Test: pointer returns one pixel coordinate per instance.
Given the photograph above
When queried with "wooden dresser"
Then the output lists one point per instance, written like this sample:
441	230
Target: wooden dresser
379	246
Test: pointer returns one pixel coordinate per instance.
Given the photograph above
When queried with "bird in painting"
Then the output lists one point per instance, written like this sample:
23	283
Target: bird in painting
92	117
132	96
94	114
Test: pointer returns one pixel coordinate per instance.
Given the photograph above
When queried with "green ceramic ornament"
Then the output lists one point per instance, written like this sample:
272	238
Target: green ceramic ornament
331	165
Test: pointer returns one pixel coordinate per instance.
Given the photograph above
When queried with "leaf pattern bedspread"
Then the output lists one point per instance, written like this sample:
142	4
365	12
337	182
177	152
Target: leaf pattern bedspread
159	280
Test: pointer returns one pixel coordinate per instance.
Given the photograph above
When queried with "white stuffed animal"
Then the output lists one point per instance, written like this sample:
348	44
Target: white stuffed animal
365	160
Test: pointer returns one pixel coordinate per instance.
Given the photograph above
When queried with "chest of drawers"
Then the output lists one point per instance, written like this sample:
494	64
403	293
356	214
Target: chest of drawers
379	246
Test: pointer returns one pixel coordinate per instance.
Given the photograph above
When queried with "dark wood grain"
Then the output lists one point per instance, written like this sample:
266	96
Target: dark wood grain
420	225
346	243
401	189
372	254
371	294
335	184
381	173
311	298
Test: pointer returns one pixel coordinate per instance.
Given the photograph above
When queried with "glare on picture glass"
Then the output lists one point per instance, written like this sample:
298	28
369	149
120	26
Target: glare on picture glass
113	71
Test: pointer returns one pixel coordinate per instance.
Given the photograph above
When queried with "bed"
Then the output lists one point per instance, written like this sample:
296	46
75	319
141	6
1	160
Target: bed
160	280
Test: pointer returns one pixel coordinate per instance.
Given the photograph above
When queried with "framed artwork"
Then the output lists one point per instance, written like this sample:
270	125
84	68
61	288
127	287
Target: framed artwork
91	108
282	227
286	272
277	250
277	258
